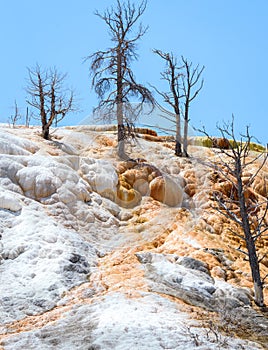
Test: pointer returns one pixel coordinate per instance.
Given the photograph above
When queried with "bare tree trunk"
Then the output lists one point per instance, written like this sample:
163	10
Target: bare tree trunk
185	133
45	131
27	119
121	134
119	107
178	149
250	244
185	140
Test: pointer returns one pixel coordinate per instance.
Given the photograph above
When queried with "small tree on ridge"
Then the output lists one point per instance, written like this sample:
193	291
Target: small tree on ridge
172	74
48	95
191	86
13	119
182	79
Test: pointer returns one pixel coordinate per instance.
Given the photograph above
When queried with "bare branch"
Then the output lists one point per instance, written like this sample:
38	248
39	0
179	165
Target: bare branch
241	251
264	278
263	257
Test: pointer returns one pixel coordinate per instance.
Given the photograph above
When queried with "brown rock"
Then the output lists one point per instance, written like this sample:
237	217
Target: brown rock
139	177
261	186
167	191
145	131
127	198
142	186
105	141
130	176
190	189
218	272
123	166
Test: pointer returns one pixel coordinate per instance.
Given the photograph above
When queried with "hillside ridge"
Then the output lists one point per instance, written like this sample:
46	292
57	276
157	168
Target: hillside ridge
85	235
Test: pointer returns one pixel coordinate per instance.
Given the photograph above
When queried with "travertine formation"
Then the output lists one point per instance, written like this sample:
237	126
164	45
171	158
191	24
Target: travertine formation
98	253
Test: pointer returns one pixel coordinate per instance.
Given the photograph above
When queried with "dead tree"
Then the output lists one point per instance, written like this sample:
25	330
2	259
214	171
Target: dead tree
172	74
191	86
112	77
182	79
27	117
251	215
13	119
48	95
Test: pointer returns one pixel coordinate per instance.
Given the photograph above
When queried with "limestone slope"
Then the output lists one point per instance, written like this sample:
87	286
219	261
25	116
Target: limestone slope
96	253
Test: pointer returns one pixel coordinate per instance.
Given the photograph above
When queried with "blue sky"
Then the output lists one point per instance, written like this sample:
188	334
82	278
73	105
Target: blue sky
228	37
